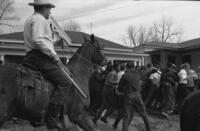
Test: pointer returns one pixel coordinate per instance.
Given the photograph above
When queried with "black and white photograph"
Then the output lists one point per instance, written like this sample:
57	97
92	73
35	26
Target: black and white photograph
99	65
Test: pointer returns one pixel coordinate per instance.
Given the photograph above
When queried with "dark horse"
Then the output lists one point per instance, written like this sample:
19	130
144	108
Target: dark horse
75	104
190	113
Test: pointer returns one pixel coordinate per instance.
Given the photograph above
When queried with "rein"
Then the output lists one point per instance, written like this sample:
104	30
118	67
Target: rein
83	58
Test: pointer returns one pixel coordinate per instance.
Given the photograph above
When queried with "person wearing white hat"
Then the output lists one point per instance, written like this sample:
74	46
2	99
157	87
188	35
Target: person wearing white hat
42	3
39	41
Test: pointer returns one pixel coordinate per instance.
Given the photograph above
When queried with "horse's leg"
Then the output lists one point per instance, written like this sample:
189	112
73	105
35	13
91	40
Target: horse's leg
3	109
83	121
68	125
9	111
3	119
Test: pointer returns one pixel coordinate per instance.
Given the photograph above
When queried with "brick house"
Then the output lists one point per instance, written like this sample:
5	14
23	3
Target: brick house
177	53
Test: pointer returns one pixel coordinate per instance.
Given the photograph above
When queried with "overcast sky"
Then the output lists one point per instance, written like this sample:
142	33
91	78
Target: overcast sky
110	18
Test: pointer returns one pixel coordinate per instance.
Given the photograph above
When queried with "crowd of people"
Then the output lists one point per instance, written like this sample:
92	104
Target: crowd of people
166	88
120	87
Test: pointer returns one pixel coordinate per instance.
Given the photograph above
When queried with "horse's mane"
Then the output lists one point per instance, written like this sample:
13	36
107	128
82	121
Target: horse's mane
74	57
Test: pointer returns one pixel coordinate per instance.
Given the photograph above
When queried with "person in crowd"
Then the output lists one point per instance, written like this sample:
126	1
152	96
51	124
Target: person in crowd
96	84
191	81
182	90
153	87
145	73
120	98
1	62
129	86
198	79
121	71
137	68
108	95
169	83
107	68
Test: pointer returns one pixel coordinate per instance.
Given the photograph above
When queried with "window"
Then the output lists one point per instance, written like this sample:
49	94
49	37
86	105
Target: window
186	58
121	61
155	59
171	59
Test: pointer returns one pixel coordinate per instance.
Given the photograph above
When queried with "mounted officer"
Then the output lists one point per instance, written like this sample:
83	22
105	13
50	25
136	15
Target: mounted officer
39	41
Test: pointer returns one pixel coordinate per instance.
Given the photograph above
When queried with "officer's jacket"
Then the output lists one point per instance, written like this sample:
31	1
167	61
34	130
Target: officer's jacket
130	82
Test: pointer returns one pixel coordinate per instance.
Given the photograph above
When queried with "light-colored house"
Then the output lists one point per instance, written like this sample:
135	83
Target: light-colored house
12	48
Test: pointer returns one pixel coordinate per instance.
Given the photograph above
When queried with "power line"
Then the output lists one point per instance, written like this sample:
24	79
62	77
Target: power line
98	12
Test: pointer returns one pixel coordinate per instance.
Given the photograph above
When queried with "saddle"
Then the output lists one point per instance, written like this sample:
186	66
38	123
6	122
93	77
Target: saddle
33	91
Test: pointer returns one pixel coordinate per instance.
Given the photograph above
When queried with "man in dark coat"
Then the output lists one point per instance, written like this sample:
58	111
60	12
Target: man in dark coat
169	82
108	95
129	85
96	84
189	113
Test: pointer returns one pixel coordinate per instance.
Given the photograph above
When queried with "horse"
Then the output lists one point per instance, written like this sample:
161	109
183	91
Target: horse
190	113
80	65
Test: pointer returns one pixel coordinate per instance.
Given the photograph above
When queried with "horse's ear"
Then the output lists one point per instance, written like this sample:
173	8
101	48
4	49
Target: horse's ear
92	38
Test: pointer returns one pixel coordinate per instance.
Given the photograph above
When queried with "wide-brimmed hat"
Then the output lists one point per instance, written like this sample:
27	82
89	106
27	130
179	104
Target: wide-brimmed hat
42	3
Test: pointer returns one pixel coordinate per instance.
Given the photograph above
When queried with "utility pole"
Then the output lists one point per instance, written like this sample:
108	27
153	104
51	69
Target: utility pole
91	24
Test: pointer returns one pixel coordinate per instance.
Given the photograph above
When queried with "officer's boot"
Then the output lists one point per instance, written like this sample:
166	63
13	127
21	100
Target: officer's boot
53	116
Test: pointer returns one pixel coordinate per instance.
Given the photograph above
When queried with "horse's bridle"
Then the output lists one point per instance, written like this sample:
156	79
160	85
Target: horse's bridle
83	58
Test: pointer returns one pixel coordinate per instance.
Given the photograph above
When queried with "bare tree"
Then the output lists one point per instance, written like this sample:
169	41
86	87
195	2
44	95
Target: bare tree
136	36
72	26
161	31
132	32
130	38
165	31
144	35
124	41
7	14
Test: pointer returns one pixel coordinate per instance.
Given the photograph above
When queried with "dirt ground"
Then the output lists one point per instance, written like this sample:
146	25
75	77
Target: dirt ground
157	124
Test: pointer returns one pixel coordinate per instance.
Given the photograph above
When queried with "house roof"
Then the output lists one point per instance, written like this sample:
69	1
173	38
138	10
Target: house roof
162	45
190	43
76	37
152	46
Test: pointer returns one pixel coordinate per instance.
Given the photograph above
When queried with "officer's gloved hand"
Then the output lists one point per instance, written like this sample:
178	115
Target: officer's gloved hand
60	64
57	61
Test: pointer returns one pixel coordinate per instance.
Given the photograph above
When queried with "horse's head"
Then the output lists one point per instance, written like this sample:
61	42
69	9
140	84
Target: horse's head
93	48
